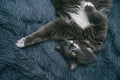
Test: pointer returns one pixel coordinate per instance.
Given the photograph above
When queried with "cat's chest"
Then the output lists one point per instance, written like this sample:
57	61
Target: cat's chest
80	18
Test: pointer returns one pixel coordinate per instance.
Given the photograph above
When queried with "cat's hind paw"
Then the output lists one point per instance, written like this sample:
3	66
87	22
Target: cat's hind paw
89	7
21	43
88	4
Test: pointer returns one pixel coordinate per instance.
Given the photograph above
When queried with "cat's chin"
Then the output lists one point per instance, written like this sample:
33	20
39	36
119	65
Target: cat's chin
73	65
21	43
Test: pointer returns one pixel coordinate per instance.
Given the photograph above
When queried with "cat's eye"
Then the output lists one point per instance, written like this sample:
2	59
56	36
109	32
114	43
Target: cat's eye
73	53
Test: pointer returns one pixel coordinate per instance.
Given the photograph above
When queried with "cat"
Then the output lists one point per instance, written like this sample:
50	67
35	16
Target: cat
83	23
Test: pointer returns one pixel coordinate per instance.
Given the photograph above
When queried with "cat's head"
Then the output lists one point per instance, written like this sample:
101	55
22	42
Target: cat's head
74	54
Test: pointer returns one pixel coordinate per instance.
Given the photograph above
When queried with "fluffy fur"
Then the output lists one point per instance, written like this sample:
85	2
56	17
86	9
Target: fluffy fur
82	21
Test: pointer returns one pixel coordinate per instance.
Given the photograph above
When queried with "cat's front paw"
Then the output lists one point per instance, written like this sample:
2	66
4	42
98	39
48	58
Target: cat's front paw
21	43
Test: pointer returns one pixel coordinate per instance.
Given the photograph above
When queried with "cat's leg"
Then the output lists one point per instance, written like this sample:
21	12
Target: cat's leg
92	12
30	39
38	36
99	26
57	29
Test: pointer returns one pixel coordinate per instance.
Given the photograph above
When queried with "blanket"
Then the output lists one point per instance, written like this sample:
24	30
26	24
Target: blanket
19	18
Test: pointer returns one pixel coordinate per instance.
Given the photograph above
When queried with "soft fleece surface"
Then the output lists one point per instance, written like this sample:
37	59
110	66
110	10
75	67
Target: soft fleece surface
41	62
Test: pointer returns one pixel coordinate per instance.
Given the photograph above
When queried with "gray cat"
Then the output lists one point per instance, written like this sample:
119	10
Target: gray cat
81	23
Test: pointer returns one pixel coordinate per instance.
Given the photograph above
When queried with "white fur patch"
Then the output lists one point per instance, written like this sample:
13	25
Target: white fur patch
71	41
20	43
89	49
80	17
76	46
88	4
87	41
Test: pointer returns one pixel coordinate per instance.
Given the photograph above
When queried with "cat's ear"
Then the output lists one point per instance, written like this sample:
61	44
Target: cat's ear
73	65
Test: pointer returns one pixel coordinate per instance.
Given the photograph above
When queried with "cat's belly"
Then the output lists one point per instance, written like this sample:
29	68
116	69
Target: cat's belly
80	16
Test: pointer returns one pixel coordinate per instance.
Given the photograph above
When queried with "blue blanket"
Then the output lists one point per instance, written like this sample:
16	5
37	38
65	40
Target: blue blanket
19	18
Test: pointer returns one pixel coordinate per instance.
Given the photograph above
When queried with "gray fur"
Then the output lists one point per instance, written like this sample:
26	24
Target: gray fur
65	27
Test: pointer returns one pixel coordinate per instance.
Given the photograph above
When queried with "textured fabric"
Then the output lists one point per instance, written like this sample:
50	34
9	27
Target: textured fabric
19	18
